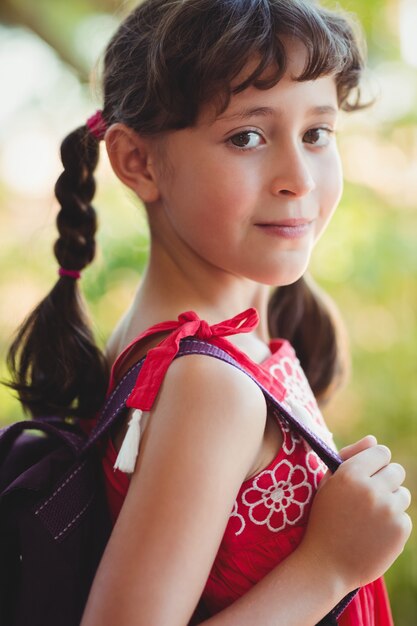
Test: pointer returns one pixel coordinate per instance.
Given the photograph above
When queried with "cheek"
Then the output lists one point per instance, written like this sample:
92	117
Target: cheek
220	192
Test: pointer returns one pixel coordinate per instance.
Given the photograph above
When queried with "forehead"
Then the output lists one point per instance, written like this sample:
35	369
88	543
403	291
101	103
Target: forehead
288	93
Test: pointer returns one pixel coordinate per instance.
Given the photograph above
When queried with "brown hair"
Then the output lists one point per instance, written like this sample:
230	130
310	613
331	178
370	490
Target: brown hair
166	59
308	318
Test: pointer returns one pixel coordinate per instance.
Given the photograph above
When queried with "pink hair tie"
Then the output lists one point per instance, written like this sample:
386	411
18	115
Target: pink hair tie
97	126
70	273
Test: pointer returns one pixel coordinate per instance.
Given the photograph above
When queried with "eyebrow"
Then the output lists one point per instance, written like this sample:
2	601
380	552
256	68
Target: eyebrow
269	112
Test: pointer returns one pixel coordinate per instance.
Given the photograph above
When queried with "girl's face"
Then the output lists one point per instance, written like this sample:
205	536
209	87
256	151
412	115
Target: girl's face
249	192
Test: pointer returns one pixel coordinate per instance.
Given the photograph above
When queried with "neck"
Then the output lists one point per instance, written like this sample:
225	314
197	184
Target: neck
173	284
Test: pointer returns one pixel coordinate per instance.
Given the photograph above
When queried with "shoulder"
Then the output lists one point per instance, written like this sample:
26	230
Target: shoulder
212	387
206	411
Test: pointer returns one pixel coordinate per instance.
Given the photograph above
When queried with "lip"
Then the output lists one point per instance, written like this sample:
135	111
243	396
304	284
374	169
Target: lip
292	228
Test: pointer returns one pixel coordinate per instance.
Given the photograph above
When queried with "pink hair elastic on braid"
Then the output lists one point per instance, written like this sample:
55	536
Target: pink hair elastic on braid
70	273
97	126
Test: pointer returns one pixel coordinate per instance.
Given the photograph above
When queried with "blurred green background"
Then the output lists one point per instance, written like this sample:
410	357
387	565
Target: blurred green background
367	260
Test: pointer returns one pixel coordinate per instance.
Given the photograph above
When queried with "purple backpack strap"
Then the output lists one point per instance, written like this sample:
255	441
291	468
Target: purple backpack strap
9	434
29	466
116	403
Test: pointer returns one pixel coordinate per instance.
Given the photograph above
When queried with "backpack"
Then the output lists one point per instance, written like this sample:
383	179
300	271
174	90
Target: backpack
54	517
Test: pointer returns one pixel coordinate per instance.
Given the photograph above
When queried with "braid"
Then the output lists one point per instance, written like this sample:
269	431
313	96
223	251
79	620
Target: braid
56	367
75	188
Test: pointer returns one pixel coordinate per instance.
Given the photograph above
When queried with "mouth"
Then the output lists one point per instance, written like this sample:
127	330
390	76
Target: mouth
293	228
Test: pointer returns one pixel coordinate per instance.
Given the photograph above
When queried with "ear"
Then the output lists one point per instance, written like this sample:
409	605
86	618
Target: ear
130	157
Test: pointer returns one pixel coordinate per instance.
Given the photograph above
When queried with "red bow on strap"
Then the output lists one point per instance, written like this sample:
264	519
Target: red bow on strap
189	324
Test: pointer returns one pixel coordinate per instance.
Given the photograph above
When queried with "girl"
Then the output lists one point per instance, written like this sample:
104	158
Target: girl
220	115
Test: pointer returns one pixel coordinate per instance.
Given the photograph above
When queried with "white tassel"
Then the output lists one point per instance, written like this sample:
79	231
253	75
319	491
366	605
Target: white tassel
126	459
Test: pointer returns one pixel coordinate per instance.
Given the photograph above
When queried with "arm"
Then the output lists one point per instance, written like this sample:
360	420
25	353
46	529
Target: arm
298	592
201	441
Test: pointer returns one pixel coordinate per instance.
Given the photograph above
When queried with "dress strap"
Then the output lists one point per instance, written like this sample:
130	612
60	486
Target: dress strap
159	358
189	324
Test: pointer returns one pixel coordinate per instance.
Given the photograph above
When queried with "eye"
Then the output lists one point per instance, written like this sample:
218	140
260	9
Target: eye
246	140
318	136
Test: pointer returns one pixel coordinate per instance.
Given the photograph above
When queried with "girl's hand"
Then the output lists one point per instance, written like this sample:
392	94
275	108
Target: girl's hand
358	525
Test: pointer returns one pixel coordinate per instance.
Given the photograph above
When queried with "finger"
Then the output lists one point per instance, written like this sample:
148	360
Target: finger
408	525
402	498
370	461
363	444
390	477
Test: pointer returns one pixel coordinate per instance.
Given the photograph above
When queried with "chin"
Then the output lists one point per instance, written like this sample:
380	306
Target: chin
279	280
279	277
288	266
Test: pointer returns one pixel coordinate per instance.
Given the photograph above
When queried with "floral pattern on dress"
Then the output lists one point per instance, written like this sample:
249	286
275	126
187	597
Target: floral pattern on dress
316	467
240	525
298	392
290	438
288	371
278	497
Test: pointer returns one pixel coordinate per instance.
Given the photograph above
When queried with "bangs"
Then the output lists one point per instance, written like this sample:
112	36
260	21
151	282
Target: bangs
330	44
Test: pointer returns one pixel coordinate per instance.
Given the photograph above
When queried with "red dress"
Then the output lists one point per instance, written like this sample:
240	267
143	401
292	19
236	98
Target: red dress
271	509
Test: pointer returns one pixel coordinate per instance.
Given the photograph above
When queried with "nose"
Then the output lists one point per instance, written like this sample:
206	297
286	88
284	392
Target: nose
294	176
